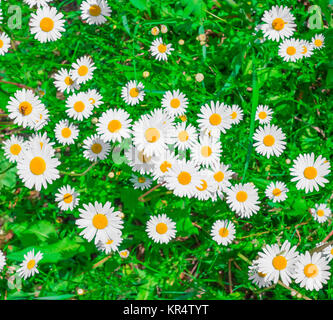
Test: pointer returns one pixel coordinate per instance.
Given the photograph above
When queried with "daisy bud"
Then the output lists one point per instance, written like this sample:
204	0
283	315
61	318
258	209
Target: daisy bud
164	28
111	175
202	37
155	31
94	120
145	74
199	77
181	42
80	291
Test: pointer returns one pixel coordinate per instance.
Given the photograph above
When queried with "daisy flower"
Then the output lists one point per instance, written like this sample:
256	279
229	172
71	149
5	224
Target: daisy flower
114	125
38	3
175	102
66	132
13	148
83	69
206	151
321	212
278	262
318	41
110	245
221	176
24	108
184	136
4	43
243	199
264	114
64	82
132	93
43	119
311	271
236	113
124	253
160	50
328	252
78	106
164	28
214	118
47	24
30	264
138	161
40	141
183	178
37	167
258	278
2	260
223	232
67	198
309	173
99	222
205	188
96	148
94	97
279	23
95	11
161	229
290	50
269	141
141	182
162	164
307	49
276	191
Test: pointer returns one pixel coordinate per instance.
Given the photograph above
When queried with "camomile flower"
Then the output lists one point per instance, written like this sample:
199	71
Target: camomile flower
264	114
290	50
223	232
278	262
183	136
67	198
138	161
269	141
175	102
114	125
206	151
78	106
164	28
41	141
66	132
29	264
258	278
155	31
309	173
161	229
13	148
83	69
279	23
124	253
37	167
141	182
95	11
318	41
321	212
133	92
243	199
311	271
99	222
63	81
307	49
183	178
236	113
2	260
94	97
95	148
276	191
205	188
4	43
47	24
221	176
43	119
112	244
328	252
160	50
38	3
162	164
24	108
214	119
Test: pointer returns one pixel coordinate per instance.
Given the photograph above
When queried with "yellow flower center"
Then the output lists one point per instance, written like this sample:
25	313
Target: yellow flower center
261	275
124	253
206	151
311	270
175	103
92	100
37	166
320	212
241	196
100	221
310	173
161	228
152	135
291	51
233	115
332	251
215	119
183	118
162	48
46	24
1	43
15	149
25	108
95	10
184	178
278	24
269	140
142	180
277	192
164	167
223	232
134	92
68	81
109	241
68	198
219	176
318	43
114	126
204	186
183	136
66	132
96	148
262	115
82	71
279	262
31	264
79	106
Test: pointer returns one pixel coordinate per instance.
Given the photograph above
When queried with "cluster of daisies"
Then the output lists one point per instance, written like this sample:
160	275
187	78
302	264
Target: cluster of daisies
283	262
278	25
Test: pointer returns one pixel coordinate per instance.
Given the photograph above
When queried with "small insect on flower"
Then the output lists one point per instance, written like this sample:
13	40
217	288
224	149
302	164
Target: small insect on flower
124	253
95	11
66	133
321	212
95	148
160	50
276	191
67	198
175	102
291	50
83	69
47	24
133	92
161	228
318	41
140	182
2	260
223	232
13	147
30	264
264	114
4	43
64	82
78	106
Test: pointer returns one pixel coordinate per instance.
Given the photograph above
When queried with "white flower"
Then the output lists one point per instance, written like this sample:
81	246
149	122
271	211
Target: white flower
30	264
162	164
95	11
307	48
124	253
276	191
95	148
318	41
83	69
183	136
40	141
133	92
175	102
221	175
138	161
110	244
236	113
160	50
290	50
205	189
38	3
161	228
4	43
258	278
94	97
321	212
67	198
328	252
223	232
140	182
13	148
78	106
66	132
263	114
64	82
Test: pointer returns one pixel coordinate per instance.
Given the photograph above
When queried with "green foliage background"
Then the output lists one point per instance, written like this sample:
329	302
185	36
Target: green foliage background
238	69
